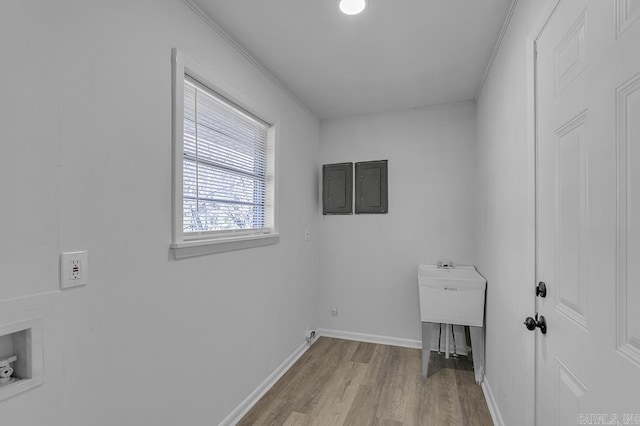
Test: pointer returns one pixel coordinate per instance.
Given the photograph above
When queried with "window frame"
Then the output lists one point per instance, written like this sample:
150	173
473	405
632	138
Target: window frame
200	243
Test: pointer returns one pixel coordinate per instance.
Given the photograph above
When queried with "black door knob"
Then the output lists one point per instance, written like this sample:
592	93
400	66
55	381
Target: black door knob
533	323
530	323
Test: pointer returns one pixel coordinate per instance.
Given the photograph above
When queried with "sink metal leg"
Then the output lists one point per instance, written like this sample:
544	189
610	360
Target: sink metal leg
477	347
427	328
446	341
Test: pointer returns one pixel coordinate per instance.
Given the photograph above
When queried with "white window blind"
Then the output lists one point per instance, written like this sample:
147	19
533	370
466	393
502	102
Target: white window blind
225	175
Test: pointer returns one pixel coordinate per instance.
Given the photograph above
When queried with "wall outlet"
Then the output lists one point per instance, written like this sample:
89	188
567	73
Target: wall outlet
334	312
74	269
307	234
309	335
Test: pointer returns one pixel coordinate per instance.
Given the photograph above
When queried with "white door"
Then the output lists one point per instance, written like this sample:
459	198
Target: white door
588	213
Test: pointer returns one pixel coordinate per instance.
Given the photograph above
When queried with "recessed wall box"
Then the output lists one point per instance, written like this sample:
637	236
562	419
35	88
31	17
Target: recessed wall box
21	342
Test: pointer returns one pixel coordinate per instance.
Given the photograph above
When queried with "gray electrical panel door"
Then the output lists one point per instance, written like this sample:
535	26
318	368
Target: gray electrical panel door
371	187
337	188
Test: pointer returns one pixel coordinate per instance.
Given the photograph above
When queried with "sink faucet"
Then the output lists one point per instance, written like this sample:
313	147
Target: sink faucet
448	264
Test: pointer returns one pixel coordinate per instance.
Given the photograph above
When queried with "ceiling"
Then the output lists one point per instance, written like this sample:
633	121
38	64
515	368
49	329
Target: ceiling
397	54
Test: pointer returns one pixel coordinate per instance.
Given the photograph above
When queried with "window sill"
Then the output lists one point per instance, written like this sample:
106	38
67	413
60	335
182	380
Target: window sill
219	245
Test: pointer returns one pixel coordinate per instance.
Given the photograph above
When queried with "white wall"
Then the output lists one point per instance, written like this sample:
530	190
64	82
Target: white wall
369	262
85	125
85	164
505	243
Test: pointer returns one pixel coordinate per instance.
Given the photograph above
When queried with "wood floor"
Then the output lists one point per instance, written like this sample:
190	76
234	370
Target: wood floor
341	382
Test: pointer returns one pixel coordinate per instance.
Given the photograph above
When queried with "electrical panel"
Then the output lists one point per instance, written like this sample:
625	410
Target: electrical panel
372	187
337	188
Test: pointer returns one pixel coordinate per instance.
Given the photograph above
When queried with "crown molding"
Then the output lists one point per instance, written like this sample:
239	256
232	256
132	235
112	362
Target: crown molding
435	107
496	47
246	55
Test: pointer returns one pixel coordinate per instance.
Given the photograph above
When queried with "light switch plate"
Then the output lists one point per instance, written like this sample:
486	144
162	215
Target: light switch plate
74	269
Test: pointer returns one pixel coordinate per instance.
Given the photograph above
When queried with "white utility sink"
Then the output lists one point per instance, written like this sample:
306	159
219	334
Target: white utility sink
451	295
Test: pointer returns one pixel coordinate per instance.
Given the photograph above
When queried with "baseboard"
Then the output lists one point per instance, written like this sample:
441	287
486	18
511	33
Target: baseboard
491	403
370	338
251	400
383	340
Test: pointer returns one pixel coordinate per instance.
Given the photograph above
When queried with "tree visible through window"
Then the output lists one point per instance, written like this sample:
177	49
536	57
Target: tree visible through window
224	164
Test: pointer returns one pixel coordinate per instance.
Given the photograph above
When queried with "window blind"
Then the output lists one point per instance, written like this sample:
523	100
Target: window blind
225	180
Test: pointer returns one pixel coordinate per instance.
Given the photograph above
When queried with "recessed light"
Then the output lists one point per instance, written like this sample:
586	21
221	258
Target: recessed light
352	7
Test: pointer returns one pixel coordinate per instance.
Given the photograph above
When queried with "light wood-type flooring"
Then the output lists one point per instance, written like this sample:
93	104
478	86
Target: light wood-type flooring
342	382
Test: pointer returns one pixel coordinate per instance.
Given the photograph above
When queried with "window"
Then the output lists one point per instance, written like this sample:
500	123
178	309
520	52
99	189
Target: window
224	180
224	185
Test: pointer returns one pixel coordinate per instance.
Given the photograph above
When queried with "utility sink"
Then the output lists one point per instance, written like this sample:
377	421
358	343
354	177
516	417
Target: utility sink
451	295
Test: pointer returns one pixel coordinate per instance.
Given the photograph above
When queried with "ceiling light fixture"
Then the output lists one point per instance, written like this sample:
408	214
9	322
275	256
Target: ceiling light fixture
352	7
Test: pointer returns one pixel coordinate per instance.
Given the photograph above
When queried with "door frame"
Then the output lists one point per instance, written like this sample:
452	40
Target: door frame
532	164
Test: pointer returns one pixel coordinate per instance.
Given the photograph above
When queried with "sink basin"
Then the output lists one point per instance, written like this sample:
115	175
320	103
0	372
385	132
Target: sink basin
462	273
451	295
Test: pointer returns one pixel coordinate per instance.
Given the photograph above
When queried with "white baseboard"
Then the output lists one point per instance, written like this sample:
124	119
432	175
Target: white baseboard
370	338
385	340
251	400
491	403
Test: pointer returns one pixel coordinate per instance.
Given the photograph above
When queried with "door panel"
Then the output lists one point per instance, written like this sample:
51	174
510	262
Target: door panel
570	54
572	182
570	390
628	114
627	12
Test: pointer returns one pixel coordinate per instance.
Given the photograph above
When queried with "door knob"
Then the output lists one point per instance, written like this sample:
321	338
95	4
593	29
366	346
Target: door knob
541	289
533	323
